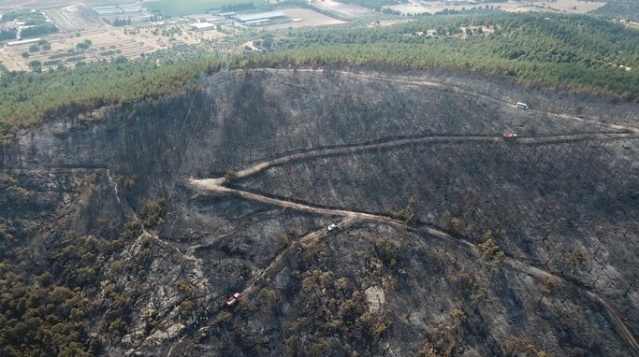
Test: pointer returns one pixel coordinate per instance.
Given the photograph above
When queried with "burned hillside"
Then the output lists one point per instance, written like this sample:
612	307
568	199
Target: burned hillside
446	238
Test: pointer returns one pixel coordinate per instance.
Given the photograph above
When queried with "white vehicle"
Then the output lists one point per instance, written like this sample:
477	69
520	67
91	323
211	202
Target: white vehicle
521	105
509	135
331	227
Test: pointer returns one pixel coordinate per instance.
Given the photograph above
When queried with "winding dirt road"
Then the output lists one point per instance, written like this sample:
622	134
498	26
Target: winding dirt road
217	183
217	186
353	216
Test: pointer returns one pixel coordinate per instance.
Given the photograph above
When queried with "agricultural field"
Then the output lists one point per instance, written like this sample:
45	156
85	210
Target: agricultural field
343	10
7	5
564	6
110	2
177	8
81	26
106	43
64	50
570	6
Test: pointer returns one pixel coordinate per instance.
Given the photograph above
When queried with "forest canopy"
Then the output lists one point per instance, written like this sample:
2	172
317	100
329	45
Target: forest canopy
576	53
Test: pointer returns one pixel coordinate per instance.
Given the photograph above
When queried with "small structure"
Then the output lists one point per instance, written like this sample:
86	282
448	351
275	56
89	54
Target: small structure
203	26
260	17
521	105
233	299
23	42
227	13
509	135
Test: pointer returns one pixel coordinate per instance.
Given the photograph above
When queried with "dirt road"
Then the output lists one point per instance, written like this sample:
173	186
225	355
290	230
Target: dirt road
216	183
216	186
353	216
312	236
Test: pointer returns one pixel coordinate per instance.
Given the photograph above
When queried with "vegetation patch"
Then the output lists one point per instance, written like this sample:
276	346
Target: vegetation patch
372	4
32	23
176	8
577	53
619	9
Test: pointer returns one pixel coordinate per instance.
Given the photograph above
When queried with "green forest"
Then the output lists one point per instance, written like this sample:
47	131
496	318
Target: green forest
575	53
623	9
35	21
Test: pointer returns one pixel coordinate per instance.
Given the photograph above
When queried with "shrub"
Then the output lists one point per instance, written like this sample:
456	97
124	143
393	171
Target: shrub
152	212
231	175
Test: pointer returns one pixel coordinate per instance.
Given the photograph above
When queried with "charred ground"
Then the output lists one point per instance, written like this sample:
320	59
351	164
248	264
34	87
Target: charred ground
451	241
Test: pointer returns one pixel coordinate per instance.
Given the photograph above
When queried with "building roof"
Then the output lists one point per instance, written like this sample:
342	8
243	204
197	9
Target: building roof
202	25
256	22
23	42
259	16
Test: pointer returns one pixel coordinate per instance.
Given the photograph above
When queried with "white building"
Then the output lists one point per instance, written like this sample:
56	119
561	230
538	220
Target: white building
260	17
203	26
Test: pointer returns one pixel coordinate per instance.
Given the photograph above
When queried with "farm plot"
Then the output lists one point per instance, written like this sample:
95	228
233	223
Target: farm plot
571	6
7	5
105	43
164	35
176	8
305	18
565	6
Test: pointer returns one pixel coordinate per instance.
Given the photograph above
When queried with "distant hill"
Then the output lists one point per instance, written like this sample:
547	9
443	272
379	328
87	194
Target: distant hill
619	9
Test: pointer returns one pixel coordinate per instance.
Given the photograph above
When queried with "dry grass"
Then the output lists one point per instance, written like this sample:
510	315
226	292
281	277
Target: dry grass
564	6
103	39
128	43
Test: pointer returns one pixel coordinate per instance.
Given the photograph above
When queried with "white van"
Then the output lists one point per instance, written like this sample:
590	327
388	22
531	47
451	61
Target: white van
521	105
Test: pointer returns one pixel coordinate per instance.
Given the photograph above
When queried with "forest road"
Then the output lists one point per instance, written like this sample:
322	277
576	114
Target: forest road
207	186
216	186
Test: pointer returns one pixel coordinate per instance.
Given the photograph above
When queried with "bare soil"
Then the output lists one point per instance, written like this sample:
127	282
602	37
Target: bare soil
128	42
564	6
309	18
102	39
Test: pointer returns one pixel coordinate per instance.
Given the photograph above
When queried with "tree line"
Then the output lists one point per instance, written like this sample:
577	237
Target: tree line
576	53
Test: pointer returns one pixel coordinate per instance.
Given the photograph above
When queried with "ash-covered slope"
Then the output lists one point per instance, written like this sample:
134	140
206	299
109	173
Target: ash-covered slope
450	240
